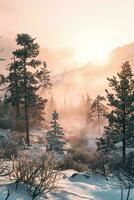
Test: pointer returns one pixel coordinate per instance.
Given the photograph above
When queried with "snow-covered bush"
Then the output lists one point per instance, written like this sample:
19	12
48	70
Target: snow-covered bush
37	172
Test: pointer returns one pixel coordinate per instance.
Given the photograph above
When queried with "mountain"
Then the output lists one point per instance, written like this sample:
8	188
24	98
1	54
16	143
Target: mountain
57	59
91	78
71	85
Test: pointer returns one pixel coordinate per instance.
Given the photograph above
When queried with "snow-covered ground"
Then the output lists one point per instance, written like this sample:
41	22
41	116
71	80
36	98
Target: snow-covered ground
81	186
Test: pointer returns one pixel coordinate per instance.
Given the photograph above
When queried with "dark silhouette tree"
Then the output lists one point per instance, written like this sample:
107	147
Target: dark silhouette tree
120	127
14	93
26	55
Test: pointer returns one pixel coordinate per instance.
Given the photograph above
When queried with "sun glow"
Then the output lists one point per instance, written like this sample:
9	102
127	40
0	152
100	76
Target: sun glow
98	55
95	48
101	58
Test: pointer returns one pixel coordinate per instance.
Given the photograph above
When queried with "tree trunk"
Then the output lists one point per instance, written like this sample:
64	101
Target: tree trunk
17	103
26	109
98	113
128	194
121	192
124	148
124	137
17	117
8	194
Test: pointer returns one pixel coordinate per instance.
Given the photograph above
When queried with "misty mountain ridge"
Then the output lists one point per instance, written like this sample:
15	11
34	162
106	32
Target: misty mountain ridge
90	78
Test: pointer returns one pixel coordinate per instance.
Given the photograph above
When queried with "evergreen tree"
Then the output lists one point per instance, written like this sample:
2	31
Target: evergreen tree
120	127
55	137
26	55
14	94
44	76
98	111
87	107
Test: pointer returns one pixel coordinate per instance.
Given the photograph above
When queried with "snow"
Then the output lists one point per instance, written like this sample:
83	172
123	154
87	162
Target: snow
91	187
81	186
5	134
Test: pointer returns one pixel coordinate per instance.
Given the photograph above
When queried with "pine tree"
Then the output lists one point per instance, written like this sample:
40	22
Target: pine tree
43	75
120	127
87	107
98	112
26	55
55	137
14	92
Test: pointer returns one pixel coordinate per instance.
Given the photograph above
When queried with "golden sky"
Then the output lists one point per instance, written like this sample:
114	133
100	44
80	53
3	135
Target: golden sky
87	29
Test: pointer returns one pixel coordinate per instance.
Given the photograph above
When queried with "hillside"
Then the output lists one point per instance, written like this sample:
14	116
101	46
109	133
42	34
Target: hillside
92	78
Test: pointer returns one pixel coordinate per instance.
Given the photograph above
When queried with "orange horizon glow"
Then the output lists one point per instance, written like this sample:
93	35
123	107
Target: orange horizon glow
89	28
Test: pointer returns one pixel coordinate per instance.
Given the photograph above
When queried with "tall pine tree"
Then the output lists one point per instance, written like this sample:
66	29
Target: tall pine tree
120	127
14	92
27	54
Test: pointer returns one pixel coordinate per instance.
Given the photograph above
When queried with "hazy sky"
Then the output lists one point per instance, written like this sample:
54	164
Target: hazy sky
88	28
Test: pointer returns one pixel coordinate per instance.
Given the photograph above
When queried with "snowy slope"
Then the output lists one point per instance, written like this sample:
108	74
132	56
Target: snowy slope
81	186
90	188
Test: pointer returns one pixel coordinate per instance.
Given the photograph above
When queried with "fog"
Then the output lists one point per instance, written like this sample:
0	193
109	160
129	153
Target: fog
71	82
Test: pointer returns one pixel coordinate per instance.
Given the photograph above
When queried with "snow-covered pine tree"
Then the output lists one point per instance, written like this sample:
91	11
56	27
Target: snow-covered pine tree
120	129
55	137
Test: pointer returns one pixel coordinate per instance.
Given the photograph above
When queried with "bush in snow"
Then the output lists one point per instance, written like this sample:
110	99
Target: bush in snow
100	164
55	137
124	173
107	166
8	148
76	158
37	172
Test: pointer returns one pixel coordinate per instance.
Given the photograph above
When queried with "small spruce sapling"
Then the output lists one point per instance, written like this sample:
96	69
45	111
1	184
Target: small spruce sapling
55	137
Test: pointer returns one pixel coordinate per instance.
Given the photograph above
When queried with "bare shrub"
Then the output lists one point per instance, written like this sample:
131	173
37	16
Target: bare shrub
114	167
76	158
5	171
124	173
8	145
100	164
8	149
37	172
4	168
70	163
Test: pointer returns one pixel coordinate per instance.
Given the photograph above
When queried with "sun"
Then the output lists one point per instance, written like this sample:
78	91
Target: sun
100	58
96	56
93	47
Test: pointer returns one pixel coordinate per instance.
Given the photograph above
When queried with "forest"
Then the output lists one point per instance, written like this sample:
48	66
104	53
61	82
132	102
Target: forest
37	151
